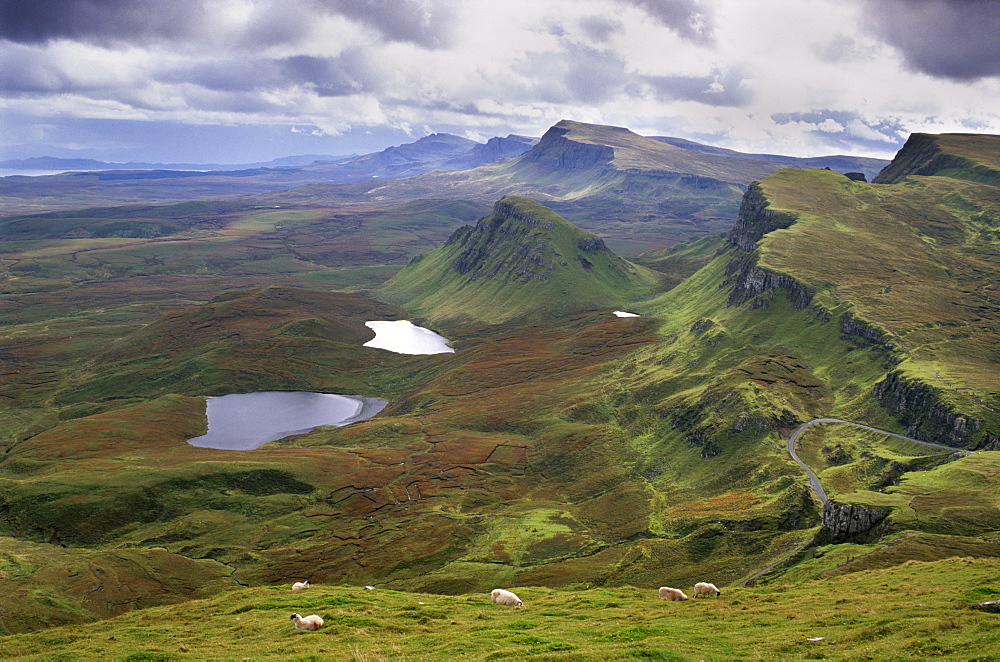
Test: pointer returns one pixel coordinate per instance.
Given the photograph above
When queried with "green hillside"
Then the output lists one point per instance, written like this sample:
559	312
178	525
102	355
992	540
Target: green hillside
873	303
916	611
522	261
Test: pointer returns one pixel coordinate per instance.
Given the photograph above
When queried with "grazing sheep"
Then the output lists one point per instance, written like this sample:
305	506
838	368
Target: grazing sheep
501	597
313	622
298	586
704	588
673	594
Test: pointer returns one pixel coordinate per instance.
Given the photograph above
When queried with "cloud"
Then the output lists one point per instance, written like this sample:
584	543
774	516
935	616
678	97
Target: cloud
688	18
728	87
957	39
97	21
424	23
600	28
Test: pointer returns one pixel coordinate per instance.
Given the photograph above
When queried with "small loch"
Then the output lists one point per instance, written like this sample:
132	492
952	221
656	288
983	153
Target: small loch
245	421
405	337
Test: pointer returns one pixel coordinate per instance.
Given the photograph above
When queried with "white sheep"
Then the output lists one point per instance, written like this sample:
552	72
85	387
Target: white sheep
313	622
298	586
501	597
704	588
673	594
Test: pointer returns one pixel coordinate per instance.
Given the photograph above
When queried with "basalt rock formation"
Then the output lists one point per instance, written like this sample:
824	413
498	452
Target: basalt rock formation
855	522
922	409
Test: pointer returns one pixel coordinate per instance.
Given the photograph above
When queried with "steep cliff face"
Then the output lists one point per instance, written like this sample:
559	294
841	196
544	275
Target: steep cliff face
758	286
952	154
852	521
922	409
557	152
750	282
756	219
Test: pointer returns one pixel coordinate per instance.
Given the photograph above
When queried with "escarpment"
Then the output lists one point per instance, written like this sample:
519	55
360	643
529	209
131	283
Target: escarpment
557	151
758	286
750	282
756	220
865	333
927	155
926	415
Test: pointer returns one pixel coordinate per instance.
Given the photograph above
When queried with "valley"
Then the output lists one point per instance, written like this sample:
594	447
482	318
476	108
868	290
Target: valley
586	457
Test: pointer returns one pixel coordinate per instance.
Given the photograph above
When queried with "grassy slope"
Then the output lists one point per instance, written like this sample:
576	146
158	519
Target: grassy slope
918	610
523	269
919	260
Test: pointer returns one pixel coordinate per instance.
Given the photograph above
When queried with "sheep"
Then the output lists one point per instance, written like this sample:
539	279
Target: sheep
313	622
673	594
704	588
501	597
298	586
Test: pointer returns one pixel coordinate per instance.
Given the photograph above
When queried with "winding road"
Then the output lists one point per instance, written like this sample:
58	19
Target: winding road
814	481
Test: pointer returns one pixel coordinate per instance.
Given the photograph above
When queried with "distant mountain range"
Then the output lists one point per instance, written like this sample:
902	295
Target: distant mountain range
649	192
60	164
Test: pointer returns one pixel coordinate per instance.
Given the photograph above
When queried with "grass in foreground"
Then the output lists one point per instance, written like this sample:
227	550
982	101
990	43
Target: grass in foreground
916	610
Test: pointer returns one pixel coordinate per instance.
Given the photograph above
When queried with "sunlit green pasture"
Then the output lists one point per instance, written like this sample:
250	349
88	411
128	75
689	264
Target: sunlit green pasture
917	610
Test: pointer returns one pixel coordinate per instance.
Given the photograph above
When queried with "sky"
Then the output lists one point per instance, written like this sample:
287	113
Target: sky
239	81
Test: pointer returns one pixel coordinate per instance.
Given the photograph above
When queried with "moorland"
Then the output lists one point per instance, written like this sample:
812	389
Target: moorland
584	458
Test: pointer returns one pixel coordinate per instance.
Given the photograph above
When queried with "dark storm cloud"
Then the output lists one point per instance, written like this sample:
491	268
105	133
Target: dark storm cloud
97	21
427	24
688	18
957	39
723	88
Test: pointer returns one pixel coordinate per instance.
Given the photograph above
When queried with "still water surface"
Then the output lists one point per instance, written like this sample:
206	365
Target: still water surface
405	337
244	421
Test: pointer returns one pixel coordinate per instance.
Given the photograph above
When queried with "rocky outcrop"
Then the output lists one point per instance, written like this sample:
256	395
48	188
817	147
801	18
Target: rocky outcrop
750	282
865	333
589	244
505	211
755	219
854	522
992	606
921	408
758	285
